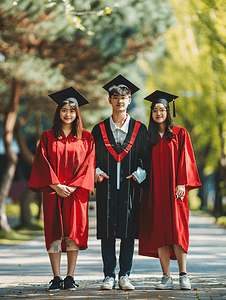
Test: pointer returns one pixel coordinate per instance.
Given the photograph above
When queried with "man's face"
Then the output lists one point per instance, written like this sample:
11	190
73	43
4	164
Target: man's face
119	102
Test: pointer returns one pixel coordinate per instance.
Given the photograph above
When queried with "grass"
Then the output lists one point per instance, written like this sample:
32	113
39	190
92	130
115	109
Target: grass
36	225
13	237
20	234
202	213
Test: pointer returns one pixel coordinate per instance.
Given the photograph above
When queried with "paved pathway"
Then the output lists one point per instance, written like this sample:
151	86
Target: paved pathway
25	270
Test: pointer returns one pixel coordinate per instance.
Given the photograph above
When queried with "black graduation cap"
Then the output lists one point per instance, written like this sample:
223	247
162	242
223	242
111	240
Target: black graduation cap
69	94
154	97
122	82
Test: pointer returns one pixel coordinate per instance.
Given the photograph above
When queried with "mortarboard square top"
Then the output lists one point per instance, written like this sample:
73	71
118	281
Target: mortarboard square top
121	81
157	95
69	94
154	97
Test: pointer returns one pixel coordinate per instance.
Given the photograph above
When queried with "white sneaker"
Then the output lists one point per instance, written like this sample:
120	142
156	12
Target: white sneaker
108	283
165	284
125	284
185	282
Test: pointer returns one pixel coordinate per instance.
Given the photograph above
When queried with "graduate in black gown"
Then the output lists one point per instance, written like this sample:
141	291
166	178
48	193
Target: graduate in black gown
120	169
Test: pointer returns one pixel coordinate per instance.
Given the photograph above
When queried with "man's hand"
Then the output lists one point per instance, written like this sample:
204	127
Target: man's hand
101	177
132	176
61	190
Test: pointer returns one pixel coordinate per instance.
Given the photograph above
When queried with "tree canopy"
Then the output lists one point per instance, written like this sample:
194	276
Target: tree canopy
49	45
47	52
193	67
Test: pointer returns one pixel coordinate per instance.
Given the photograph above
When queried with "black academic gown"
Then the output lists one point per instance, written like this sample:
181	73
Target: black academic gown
118	210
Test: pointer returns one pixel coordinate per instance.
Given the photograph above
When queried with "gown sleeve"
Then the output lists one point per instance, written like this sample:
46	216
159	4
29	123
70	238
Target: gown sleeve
145	160
187	169
99	146
42	173
84	177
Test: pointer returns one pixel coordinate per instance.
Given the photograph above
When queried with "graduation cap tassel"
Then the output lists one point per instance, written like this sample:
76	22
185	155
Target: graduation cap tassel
162	97
174	110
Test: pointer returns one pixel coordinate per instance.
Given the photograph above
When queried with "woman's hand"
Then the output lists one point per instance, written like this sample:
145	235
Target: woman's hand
180	191
61	190
72	188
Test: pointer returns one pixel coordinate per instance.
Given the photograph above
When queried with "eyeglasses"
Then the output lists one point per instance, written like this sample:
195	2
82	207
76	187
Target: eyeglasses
122	98
161	111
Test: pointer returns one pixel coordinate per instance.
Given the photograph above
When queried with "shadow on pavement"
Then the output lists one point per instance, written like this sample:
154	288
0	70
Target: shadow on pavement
202	288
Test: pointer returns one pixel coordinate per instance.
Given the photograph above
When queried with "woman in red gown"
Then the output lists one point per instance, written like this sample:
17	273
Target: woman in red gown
63	170
164	210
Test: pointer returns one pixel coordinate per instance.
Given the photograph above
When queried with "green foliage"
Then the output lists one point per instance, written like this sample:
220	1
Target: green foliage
194	68
45	51
221	220
34	209
194	201
42	51
13	209
136	22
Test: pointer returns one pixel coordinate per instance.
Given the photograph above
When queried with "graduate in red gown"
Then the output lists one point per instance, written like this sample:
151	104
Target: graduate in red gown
164	212
63	170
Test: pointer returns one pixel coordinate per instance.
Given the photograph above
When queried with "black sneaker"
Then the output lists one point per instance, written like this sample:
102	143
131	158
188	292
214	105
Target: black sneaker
56	284
69	283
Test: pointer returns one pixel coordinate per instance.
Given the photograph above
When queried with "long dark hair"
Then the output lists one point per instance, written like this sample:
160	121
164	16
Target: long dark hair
76	125
153	127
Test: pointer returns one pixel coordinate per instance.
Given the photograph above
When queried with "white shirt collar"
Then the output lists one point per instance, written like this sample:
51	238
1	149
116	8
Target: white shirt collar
124	128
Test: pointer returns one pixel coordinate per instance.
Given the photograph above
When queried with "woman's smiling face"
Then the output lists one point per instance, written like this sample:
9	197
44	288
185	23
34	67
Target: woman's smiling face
159	113
67	114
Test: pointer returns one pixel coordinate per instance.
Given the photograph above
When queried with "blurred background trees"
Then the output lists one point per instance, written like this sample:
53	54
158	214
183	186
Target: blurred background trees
49	45
194	67
177	46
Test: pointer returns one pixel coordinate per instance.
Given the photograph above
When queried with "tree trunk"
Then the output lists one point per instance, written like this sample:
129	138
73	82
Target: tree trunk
202	194
4	191
10	119
24	150
25	218
218	198
40	205
38	137
220	177
25	200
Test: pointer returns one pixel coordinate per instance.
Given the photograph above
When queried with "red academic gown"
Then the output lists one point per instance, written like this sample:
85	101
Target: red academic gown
163	218
71	162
